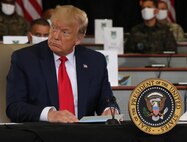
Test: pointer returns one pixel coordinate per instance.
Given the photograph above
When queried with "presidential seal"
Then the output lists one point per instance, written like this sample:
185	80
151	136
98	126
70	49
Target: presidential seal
155	106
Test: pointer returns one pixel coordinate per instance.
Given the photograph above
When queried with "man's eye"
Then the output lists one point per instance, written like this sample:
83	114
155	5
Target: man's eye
53	27
66	33
37	34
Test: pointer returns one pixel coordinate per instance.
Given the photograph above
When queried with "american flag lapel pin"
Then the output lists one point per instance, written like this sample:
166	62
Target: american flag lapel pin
85	66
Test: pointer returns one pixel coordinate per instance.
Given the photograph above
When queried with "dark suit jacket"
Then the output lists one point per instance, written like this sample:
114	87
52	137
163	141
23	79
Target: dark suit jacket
32	82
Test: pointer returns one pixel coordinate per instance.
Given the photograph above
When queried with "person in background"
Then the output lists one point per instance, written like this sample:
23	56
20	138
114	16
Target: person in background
10	22
162	18
35	87
39	31
150	36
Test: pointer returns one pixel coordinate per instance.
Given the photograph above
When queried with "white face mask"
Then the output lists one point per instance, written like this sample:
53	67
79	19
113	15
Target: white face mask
148	13
162	14
8	9
37	39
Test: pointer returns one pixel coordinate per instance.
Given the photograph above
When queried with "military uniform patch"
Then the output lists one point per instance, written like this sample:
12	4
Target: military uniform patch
155	106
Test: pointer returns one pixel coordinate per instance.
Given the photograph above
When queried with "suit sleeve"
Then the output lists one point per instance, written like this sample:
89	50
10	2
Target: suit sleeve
19	108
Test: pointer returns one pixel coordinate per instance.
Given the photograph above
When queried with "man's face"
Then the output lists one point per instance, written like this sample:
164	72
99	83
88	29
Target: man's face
63	36
149	10
40	30
147	4
38	33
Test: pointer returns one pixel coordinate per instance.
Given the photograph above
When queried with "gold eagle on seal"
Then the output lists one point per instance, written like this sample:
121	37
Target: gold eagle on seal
155	103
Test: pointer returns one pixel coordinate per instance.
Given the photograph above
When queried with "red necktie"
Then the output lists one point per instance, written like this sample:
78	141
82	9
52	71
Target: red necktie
66	101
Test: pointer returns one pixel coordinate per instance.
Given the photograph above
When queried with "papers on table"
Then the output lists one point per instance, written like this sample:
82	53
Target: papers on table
183	119
11	123
93	119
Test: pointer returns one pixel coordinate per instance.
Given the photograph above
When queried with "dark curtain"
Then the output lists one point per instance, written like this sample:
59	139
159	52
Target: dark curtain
47	4
124	13
181	13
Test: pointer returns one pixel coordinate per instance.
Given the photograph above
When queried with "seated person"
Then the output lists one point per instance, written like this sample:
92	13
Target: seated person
58	80
150	36
10	22
39	31
162	18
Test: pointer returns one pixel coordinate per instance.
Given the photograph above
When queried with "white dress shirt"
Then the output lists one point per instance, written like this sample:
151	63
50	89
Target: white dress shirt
71	70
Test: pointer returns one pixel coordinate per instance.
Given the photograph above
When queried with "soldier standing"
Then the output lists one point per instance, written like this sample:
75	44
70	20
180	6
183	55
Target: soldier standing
10	22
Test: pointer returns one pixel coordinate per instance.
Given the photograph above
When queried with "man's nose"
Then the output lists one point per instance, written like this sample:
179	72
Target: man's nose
56	34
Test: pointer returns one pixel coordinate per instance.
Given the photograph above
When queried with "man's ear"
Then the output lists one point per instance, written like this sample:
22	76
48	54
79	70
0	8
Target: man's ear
79	38
29	36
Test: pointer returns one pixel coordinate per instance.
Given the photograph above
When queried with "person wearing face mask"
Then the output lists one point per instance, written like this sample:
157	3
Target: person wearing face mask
39	31
162	18
150	36
10	22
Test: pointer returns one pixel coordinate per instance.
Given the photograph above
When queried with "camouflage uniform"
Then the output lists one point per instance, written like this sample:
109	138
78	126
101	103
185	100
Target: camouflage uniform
156	39
177	31
12	25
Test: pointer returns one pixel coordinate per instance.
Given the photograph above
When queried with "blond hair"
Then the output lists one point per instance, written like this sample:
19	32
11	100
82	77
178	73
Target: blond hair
73	15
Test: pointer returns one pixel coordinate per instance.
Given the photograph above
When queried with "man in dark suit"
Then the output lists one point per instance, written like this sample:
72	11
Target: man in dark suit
32	82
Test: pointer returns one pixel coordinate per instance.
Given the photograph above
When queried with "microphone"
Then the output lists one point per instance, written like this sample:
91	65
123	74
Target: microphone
170	53
113	120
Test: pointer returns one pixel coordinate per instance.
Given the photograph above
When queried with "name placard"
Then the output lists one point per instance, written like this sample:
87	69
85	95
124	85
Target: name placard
112	66
15	39
114	39
100	24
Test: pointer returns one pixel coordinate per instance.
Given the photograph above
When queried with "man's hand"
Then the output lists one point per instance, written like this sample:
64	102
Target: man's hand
109	111
61	116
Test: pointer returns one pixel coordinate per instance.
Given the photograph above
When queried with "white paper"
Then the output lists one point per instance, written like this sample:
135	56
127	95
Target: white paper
93	119
112	66
15	39
11	123
114	39
100	24
183	117
182	122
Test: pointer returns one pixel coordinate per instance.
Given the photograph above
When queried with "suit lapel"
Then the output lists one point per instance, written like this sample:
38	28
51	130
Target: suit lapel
82	67
48	67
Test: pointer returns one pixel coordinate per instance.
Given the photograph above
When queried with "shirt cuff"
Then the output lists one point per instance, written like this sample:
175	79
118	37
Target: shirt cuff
44	113
107	108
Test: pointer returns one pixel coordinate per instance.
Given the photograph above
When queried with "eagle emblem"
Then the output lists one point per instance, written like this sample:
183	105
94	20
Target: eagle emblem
155	103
